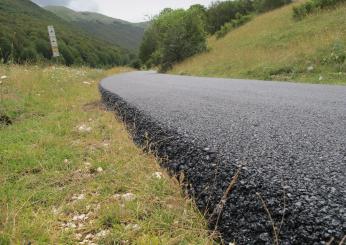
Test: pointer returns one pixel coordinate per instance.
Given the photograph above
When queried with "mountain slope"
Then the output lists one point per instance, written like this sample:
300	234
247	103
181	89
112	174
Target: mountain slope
125	34
24	38
274	46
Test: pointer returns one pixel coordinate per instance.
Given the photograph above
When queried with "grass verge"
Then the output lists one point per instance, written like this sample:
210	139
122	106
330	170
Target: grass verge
69	172
275	46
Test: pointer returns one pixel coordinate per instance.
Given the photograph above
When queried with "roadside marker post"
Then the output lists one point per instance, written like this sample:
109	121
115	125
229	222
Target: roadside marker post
53	41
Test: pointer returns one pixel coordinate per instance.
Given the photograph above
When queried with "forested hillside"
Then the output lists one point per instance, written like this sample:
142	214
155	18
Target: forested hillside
125	34
175	35
24	38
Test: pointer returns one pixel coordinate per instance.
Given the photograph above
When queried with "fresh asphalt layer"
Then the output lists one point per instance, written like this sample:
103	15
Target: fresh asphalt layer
287	139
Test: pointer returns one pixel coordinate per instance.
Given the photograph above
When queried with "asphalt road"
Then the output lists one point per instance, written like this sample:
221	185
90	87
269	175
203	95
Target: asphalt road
290	140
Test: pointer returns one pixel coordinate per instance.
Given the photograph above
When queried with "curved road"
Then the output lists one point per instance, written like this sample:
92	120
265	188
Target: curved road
288	139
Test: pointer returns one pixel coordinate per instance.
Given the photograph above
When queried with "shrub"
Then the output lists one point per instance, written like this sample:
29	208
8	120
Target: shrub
267	5
220	13
43	48
136	64
311	6
226	28
28	54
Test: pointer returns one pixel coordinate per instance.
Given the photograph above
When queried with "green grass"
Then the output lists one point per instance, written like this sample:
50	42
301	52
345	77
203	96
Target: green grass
274	46
52	190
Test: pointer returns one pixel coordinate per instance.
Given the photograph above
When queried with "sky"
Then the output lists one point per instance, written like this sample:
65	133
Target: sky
130	10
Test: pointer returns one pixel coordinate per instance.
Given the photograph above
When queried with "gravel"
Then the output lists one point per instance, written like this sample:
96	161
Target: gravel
288	141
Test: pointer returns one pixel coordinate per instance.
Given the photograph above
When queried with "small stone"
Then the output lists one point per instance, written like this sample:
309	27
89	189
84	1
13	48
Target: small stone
70	225
117	196
3	77
66	161
89	237
78	236
320	78
157	175
78	197
79	217
310	68
133	227
87	164
128	197
84	129
99	170
87	83
102	233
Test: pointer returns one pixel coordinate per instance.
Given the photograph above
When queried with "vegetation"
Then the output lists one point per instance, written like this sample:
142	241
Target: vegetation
311	50
311	6
117	32
220	13
24	38
173	36
69	171
267	5
235	23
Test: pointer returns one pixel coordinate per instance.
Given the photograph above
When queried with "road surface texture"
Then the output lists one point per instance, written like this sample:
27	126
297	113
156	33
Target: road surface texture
265	161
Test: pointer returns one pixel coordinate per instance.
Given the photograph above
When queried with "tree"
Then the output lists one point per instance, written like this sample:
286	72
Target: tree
173	36
266	5
5	49
43	48
28	54
220	13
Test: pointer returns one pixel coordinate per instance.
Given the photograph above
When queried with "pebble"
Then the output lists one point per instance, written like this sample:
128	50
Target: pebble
157	175
99	170
78	197
3	77
310	68
126	197
133	227
84	129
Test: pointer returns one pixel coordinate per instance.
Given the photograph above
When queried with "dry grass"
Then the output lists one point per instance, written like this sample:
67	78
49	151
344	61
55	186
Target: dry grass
273	43
69	172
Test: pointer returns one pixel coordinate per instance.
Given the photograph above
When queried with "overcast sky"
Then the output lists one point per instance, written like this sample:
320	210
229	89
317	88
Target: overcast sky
130	10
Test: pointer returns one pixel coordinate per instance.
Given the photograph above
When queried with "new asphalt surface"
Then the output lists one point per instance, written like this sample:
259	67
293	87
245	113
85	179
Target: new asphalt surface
288	141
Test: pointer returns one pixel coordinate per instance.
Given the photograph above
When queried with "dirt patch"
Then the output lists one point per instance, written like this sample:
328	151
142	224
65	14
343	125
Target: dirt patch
95	105
5	120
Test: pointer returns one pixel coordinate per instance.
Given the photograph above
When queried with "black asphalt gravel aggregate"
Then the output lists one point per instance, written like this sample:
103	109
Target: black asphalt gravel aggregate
288	141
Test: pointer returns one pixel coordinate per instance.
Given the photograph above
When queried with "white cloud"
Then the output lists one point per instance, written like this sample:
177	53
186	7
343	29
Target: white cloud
131	10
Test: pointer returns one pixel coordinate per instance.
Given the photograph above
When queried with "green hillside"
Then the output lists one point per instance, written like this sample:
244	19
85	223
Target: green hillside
125	34
24	38
275	46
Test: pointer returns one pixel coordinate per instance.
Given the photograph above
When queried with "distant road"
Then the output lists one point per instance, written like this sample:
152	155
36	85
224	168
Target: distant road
290	139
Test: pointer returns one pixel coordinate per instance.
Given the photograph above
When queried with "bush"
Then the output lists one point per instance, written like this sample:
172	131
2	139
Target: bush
267	5
220	13
43	48
311	6
136	64
28	54
226	28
